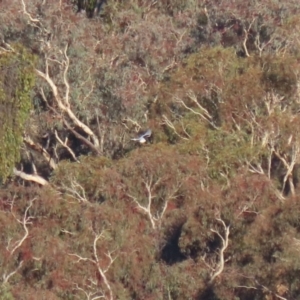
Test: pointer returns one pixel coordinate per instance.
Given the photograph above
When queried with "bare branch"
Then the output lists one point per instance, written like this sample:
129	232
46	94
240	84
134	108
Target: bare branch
284	288
289	167
206	264
65	145
80	258
167	122
67	63
66	231
65	105
204	114
261	46
6	277
90	295
102	271
82	138
257	168
37	147
246	287
34	20
246	31
76	191
133	122
69	127
147	209
245	208
225	239
268	290
170	66
29	177
25	221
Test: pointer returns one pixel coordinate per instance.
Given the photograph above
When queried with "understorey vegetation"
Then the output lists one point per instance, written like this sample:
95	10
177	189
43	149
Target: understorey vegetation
207	207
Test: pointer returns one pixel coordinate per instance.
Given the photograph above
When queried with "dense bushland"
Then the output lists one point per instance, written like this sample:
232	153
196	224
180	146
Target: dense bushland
208	208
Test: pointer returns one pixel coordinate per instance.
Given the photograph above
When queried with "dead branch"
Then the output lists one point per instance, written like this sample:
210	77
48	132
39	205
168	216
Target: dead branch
137	126
6	277
168	123
171	65
64	105
147	209
256	168
246	31
82	138
245	208
270	291
281	289
8	48
259	44
76	191
90	295
204	114
220	267
69	127
29	177
34	20
65	145
273	102
38	148
101	133
25	221
289	168
102	271
154	219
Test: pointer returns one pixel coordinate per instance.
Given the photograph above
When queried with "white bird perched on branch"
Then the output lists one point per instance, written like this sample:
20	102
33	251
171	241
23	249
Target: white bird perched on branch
142	138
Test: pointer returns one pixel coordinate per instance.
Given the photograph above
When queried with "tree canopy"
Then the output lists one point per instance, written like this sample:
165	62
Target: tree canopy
16	83
207	207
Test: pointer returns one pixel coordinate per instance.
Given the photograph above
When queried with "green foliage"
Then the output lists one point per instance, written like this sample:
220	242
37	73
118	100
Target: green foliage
200	68
5	293
228	151
279	74
16	83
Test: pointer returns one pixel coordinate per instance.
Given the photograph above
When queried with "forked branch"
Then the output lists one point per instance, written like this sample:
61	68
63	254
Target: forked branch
289	166
101	270
39	148
25	221
225	239
147	209
64	104
202	112
75	190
